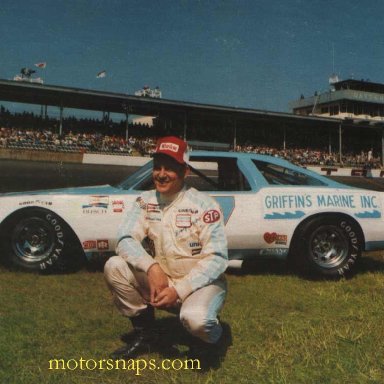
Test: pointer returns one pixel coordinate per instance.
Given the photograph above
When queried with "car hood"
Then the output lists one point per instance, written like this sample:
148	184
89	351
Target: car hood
93	190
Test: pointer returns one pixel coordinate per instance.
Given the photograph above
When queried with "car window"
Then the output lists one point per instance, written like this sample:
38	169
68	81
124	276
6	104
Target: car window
146	185
207	174
276	174
143	176
216	174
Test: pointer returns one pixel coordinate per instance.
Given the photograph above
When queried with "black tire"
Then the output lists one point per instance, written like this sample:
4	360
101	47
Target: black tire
327	246
37	239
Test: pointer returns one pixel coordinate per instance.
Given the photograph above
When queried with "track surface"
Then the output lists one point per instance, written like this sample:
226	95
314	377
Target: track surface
32	175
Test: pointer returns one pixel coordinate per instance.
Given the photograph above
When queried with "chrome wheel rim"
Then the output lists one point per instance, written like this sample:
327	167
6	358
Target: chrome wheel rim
33	240
329	247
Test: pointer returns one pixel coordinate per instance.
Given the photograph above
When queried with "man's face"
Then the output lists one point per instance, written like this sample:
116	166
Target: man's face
168	175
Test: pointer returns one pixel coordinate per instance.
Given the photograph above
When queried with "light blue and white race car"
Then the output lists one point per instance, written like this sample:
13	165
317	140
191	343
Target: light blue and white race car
271	207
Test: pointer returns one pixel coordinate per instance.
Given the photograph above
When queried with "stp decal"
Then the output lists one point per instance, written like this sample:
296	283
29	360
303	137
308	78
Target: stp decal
211	216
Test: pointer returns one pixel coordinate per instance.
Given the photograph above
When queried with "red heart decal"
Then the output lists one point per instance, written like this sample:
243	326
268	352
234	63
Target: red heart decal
270	237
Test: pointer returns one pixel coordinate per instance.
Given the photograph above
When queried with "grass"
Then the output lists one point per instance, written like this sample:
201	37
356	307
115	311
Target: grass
285	329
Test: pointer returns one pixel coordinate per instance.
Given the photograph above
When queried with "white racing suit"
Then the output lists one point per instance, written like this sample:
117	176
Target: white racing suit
190	246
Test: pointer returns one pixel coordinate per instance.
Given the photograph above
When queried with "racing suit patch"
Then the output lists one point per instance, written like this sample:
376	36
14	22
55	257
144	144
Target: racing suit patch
183	221
196	247
153	216
211	216
153	208
188	210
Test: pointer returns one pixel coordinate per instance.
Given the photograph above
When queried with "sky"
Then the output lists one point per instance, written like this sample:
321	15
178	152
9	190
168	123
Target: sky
258	54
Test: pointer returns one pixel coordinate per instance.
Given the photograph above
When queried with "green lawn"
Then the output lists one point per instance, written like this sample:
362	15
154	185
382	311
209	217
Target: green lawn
285	329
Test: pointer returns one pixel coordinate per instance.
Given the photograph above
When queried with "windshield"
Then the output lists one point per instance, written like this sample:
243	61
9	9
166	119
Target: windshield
137	177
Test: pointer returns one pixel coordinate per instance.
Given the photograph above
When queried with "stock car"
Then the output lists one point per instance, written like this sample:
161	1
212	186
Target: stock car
271	208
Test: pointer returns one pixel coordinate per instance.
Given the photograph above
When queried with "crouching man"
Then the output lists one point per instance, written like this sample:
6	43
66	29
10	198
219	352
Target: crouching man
190	255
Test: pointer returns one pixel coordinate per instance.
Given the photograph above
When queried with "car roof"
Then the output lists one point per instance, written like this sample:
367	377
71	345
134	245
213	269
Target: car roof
242	155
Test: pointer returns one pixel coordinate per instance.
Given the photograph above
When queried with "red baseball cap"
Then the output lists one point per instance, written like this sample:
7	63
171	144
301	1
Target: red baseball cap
174	147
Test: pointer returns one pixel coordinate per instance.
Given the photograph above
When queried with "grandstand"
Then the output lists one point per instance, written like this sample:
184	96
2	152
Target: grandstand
92	141
293	136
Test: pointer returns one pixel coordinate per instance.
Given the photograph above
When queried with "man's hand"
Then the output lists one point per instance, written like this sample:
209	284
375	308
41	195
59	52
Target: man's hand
157	280
166	298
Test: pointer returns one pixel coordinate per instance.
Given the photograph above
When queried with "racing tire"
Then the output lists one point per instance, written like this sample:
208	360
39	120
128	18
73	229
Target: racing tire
328	247
38	240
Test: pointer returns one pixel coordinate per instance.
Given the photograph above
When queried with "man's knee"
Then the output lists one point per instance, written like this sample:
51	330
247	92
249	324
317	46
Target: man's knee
114	269
200	324
193	320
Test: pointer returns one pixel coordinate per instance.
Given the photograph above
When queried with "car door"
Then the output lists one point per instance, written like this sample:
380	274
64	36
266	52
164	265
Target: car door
227	179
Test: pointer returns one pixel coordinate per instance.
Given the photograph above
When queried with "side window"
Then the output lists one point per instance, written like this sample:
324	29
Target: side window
140	180
216	174
207	174
276	174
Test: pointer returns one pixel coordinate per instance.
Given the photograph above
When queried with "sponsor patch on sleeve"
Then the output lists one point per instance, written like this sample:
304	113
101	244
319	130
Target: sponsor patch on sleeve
211	216
141	203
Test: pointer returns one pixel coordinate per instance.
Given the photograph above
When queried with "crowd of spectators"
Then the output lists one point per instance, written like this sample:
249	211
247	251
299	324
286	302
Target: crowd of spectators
16	138
307	156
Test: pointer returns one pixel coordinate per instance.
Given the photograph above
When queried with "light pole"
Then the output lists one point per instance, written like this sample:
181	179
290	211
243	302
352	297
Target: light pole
126	108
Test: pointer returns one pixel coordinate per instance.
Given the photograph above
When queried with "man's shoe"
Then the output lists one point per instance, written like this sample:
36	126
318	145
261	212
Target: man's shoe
142	343
211	355
207	354
128	337
141	339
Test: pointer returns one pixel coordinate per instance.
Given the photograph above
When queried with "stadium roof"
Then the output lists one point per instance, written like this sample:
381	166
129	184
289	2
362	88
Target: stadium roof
359	85
67	97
